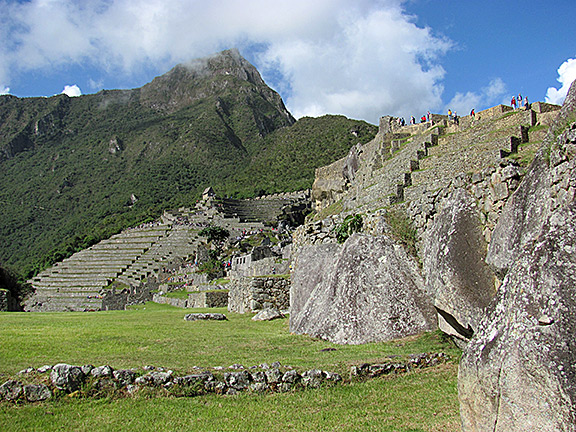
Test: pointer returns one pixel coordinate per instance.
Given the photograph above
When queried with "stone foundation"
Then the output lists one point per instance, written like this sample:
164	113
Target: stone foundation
253	294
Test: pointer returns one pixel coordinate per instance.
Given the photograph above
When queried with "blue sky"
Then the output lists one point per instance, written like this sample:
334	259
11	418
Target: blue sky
362	58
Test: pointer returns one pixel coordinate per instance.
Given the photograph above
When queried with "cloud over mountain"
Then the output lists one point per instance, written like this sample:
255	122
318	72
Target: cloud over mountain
361	59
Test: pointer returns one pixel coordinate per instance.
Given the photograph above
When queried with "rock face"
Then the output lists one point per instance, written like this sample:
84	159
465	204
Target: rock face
518	373
453	265
368	290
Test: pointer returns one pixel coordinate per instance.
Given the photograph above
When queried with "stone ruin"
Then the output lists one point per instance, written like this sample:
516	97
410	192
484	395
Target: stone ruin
127	268
492	248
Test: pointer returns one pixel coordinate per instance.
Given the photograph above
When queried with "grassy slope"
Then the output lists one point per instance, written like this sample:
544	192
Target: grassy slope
419	401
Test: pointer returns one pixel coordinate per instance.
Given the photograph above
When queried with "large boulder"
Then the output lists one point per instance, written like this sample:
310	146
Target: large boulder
518	371
522	218
456	274
369	289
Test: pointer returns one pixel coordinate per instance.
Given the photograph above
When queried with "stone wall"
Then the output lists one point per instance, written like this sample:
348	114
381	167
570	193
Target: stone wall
199	299
253	294
208	299
118	299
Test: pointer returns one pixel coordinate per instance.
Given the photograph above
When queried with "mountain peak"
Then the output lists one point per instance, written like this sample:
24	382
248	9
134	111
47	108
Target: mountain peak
206	77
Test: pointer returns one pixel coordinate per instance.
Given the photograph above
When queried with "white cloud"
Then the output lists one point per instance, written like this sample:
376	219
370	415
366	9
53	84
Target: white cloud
4	90
362	59
72	90
494	93
566	74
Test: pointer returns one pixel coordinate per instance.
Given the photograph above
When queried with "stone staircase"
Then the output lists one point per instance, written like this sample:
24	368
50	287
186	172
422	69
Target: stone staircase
431	157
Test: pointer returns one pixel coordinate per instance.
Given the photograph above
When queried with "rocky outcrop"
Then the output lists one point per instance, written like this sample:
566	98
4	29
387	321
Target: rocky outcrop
517	373
459	280
368	290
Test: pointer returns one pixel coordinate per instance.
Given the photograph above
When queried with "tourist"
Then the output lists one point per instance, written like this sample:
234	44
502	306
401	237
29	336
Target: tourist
513	102
449	113
526	104
472	113
423	119
519	100
428	116
412	120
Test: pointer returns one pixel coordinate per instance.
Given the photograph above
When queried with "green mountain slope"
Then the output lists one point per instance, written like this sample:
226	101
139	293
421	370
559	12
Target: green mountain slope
75	170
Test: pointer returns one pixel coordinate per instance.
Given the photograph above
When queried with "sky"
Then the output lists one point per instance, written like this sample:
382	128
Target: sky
361	58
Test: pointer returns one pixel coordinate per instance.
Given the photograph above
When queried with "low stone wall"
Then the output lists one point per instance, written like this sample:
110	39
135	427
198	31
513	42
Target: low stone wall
104	381
253	294
176	302
200	299
208	299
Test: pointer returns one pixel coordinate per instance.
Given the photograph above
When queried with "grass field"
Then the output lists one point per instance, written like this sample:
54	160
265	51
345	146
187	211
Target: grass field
425	400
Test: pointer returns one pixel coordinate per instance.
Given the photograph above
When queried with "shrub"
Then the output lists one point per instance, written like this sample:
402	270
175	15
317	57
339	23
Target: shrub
350	225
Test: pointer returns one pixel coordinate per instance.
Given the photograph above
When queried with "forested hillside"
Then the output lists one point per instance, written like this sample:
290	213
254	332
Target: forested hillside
76	170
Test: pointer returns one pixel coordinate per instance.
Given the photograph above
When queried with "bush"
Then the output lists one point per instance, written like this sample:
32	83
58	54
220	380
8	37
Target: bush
352	224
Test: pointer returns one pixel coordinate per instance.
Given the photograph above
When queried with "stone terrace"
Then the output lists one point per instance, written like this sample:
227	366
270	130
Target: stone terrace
79	283
423	158
76	282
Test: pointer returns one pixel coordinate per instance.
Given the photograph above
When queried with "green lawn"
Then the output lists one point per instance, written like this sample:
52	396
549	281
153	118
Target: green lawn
157	335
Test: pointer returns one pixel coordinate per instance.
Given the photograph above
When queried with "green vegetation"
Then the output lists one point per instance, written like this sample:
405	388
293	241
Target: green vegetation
180	293
425	401
350	225
156	334
77	170
214	234
402	229
220	281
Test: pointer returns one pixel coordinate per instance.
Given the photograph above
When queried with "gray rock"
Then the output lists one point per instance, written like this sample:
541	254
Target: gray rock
124	377
86	369
517	372
331	376
273	375
102	371
205	316
259	387
238	380
313	378
10	390
291	377
67	377
44	369
131	388
37	392
259	377
104	383
154	378
26	371
194	379
369	290
522	218
456	274
267	315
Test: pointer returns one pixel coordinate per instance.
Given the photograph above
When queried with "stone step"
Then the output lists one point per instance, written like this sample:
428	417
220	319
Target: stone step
53	282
